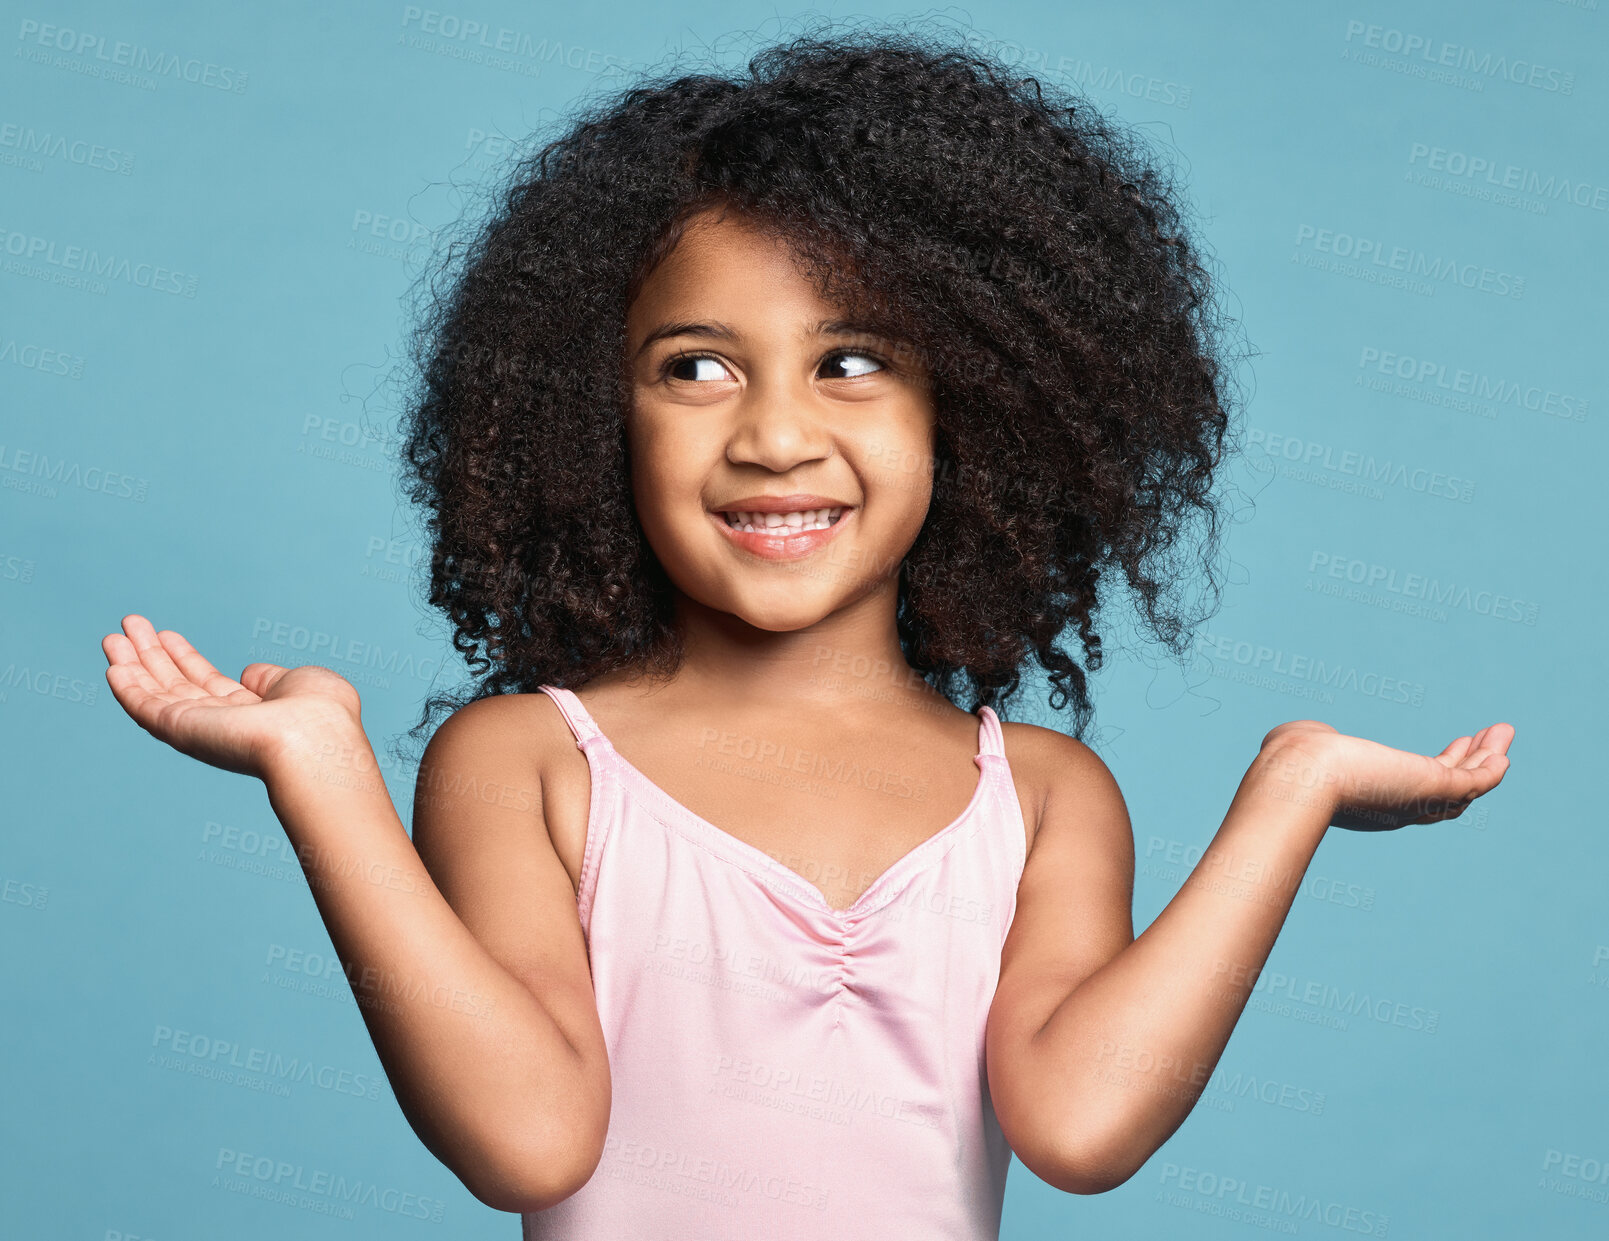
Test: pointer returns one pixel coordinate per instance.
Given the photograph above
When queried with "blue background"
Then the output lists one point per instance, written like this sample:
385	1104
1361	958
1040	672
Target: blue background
209	446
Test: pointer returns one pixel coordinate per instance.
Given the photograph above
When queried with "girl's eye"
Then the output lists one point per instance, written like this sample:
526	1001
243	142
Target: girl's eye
685	367
692	360
853	362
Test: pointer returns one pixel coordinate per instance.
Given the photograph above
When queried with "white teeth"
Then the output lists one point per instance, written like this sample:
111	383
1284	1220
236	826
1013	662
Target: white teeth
789	523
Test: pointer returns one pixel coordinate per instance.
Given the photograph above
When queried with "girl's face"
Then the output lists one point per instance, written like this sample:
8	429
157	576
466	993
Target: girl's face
753	404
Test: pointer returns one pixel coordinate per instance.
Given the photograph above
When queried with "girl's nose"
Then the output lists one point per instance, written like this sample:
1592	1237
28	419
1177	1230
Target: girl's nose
777	426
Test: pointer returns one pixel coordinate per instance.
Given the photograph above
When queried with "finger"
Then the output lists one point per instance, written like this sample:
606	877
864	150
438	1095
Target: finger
1455	752
120	651
1493	739
1482	758
1480	771
1498	737
124	666
156	659
131	683
194	665
1480	777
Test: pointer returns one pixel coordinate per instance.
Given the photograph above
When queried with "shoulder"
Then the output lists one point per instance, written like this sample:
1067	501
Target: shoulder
530	724
1055	773
505	766
497	750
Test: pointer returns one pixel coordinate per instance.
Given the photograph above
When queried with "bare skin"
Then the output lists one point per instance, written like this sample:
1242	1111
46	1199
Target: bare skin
513	1096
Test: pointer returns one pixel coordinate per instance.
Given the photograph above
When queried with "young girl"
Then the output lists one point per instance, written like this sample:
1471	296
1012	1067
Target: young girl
768	416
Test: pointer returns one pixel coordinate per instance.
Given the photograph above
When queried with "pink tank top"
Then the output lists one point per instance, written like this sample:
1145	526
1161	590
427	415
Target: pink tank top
782	1070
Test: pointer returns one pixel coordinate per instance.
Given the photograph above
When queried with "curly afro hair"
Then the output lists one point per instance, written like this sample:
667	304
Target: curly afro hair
1027	249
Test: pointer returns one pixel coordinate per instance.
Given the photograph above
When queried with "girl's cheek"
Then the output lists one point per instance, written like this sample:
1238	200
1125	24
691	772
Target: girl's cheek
901	465
668	471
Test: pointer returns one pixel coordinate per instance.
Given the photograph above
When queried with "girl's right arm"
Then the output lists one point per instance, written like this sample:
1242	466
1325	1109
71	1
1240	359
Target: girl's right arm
477	993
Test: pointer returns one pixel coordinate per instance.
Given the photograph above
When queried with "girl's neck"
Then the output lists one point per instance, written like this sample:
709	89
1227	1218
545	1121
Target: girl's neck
847	657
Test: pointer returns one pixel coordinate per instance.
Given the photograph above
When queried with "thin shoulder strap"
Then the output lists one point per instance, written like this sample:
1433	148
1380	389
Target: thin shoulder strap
991	739
575	715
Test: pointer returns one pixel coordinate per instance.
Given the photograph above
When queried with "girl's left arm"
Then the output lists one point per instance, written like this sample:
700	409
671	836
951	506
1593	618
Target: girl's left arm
1098	1043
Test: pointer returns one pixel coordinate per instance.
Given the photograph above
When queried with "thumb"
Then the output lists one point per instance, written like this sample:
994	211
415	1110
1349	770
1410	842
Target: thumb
259	678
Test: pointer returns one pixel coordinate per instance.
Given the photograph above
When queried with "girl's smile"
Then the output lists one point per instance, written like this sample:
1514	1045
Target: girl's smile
782	527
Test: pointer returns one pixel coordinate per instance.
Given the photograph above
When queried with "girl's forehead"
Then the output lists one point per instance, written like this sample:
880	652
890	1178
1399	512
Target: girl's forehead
710	239
732	266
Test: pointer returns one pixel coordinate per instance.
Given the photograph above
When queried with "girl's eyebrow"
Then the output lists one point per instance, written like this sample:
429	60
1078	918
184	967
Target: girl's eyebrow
717	331
722	331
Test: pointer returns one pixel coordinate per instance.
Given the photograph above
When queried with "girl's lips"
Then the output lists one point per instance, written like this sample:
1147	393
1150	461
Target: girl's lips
783	546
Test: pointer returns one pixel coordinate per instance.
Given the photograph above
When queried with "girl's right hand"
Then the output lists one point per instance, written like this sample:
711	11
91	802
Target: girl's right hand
172	692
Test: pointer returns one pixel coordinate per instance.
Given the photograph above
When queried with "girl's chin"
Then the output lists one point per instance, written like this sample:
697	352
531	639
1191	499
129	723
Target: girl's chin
781	619
781	606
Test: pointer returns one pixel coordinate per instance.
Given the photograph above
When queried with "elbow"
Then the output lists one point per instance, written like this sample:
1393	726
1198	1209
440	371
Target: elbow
524	1182
522	1198
1086	1163
1097	1178
546	1160
1083	1174
539	1171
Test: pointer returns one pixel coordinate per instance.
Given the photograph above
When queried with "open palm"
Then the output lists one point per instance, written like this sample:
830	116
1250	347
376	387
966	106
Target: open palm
1382	789
172	692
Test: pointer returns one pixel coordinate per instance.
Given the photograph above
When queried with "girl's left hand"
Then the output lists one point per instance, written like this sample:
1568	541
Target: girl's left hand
1379	789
